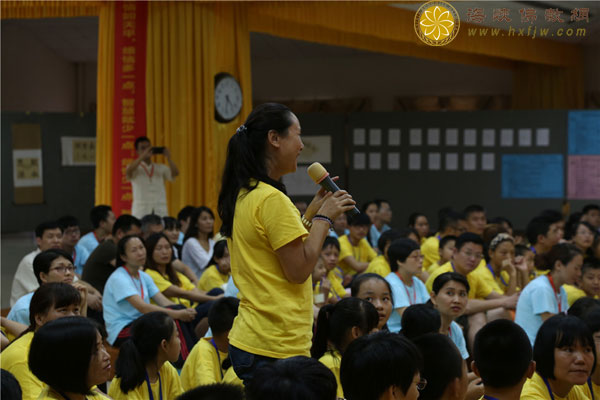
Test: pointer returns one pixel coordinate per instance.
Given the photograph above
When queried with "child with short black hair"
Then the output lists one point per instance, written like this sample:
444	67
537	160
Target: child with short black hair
216	391
445	250
380	264
204	365
330	252
321	285
355	251
419	320
588	285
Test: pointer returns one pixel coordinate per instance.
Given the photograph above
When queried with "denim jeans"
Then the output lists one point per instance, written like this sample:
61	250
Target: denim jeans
244	363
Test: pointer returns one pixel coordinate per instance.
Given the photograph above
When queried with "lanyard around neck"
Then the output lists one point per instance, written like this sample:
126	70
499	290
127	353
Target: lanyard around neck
212	341
414	300
149	173
150	394
556	294
133	281
494	274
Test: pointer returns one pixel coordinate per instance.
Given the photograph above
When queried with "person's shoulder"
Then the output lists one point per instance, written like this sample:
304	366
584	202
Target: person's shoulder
168	369
431	241
17	351
152	273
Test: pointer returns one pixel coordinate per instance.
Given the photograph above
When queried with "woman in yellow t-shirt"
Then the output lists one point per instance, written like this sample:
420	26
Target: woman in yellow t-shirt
217	273
144	369
272	253
565	355
68	355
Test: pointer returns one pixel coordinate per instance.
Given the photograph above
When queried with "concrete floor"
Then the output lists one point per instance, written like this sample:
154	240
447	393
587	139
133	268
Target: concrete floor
14	247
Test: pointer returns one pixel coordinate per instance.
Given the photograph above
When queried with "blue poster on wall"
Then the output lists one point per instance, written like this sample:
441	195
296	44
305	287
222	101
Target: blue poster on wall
584	132
532	176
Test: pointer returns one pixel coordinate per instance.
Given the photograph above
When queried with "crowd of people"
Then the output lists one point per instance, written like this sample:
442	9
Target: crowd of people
291	300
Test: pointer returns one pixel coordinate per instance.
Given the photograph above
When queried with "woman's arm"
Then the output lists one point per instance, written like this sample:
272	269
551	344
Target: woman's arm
145	308
355	264
195	294
185	270
14	328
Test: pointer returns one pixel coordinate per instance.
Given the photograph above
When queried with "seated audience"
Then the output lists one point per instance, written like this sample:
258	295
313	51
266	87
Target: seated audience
151	224
70	242
381	221
589	283
216	391
543	232
322	292
198	243
592	319
475	217
183	219
355	252
582	236
143	367
381	264
377	291
591	214
500	273
331	255
102	219
340	227
172	231
418	221
419	320
445	251
218	271
449	225
68	355
525	260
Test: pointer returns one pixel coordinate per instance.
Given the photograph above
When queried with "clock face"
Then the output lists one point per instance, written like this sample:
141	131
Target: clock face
228	98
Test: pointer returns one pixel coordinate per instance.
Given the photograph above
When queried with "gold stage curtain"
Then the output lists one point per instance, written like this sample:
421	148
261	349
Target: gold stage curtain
49	9
547	87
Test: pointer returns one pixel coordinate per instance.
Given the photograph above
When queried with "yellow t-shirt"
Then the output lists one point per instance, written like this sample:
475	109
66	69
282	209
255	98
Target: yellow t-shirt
51	394
275	316
14	359
362	253
203	365
586	390
379	266
162	282
336	284
333	361
479	289
535	389
169	380
212	278
433	267
483	272
430	250
231	378
573	294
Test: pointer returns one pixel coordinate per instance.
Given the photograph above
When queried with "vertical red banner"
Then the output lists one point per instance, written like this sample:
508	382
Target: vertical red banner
129	116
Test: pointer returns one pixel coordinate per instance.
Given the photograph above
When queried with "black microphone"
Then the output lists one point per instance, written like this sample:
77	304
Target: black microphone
319	174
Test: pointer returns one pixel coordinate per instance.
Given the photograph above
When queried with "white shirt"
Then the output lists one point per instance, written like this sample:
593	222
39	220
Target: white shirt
25	280
194	255
148	186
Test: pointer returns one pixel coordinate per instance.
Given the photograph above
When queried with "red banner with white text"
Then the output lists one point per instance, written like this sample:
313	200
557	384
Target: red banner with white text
129	117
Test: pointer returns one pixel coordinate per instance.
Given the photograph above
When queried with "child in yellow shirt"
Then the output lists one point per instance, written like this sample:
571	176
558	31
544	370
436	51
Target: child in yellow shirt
217	274
589	284
331	255
205	364
381	264
321	285
445	250
355	251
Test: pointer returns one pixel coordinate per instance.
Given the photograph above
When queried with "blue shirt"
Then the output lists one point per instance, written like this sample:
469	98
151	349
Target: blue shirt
20	311
80	256
374	234
231	290
404	296
335	235
88	242
457	336
538	297
118	312
180	238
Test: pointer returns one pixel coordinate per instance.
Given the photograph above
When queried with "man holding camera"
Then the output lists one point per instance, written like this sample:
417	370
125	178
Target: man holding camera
147	179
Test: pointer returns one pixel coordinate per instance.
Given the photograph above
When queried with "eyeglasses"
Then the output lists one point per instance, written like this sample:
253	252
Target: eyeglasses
421	384
417	256
476	256
63	268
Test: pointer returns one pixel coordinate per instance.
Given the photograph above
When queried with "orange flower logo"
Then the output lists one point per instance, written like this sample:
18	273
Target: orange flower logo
437	23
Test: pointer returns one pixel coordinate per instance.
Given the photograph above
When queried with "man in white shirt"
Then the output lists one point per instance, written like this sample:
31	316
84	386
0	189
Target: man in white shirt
48	235
148	179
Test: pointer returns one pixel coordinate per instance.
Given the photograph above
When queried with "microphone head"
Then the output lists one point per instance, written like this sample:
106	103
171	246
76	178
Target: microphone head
317	172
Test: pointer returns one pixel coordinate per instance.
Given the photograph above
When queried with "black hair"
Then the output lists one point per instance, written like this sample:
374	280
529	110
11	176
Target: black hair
192	230
185	213
69	343
388	236
537	226
122	245
170	223
42	262
420	319
500	221
246	157
592	319
440	281
573	219
582	306
222	313
412	218
448	218
502	353
553	216
139	140
363	208
445	240
399	250
573	231
295	378
563	252
521	249
473	208
98	214
150	219
335	320
362	278
51	295
331	241
361	219
468	237
556	332
10	388
147	333
124	223
589	207
46	226
442	364
375	362
216	391
218	252
589	264
405	232
150	244
67	221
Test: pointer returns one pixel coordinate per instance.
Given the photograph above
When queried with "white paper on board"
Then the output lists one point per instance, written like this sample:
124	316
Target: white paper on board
393	160
394	137
451	137
316	148
451	161
489	138
469	162
434	161
433	136
488	162
470	137
525	137
506	137
358	137
416	136
542	137
375	161
359	161
414	161
375	137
